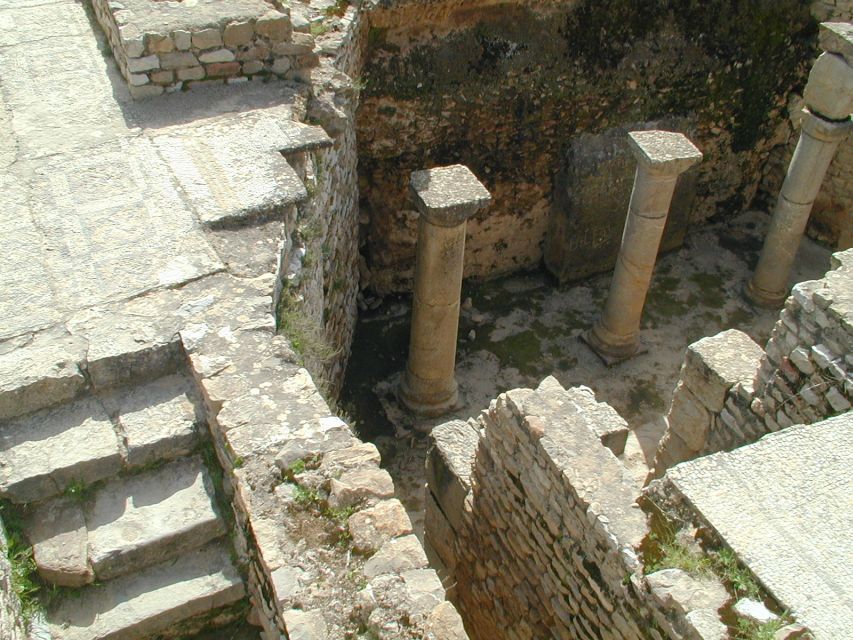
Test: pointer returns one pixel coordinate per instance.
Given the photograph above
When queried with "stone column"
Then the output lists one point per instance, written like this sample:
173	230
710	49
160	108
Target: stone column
445	197
826	121
662	157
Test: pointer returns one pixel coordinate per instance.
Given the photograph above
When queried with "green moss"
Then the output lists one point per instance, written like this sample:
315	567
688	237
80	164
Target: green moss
521	350
643	395
711	286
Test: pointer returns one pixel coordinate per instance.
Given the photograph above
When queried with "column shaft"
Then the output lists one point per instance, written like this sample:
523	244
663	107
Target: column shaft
769	285
647	214
429	384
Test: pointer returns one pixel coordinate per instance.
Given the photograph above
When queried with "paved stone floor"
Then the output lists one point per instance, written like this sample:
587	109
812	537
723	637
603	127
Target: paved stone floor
517	330
784	504
103	198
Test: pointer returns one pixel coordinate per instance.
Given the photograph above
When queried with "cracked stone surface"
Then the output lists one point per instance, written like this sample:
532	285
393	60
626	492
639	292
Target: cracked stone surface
783	505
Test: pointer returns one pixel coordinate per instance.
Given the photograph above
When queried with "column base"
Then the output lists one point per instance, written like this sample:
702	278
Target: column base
429	404
762	298
611	354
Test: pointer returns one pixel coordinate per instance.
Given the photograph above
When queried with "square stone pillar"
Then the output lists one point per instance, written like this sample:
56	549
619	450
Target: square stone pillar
662	156
829	101
445	197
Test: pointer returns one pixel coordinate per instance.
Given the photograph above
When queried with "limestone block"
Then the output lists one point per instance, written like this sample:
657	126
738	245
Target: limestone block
316	438
396	556
178	60
182	39
360	485
158	420
448	196
371	528
305	625
160	44
217	55
603	419
207	39
715	364
140	65
424	593
171	511
222	69
689	418
40	372
252	67
280	66
287	582
449	466
145	91
666	151
439	536
677	591
191	73
706	624
238	33
301	43
58	534
445	623
837	37
42	453
362	454
829	90
274	25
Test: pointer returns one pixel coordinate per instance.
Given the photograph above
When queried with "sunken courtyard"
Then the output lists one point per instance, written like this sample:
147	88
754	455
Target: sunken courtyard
426	320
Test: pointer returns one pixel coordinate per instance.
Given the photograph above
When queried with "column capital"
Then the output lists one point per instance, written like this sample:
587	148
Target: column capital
825	130
448	196
664	152
837	38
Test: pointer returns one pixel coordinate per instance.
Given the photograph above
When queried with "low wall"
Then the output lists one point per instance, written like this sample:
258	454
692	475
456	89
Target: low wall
731	392
537	523
168	46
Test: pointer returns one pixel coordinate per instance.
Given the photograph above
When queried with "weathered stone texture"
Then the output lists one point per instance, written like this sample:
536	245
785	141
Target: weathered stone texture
542	542
782	505
507	91
731	392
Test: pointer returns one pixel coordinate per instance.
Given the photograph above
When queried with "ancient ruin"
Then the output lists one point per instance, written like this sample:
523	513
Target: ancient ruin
297	298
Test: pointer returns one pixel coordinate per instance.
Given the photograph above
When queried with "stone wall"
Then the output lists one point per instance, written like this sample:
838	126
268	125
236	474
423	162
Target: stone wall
731	392
832	215
12	625
168	46
509	90
537	523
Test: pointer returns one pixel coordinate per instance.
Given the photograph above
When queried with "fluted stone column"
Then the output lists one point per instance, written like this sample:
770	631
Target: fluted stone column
445	197
826	122
662	157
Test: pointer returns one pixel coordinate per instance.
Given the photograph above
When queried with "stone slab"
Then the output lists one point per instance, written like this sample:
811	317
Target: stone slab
44	452
141	520
783	505
58	534
448	196
605	422
449	465
38	371
149	602
715	364
591	195
163	18
667	151
158	420
837	37
232	170
76	202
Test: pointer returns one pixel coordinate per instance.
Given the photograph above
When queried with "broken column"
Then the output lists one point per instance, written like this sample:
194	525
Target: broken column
445	197
826	121
662	157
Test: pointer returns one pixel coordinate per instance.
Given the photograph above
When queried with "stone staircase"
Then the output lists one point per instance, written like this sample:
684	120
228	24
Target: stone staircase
120	506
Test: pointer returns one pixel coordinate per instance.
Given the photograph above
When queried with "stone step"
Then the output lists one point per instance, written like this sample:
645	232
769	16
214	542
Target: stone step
41	454
154	600
129	523
95	437
157	420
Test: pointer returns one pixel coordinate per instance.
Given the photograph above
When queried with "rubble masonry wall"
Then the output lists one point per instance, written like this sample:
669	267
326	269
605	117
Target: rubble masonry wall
731	392
537	524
